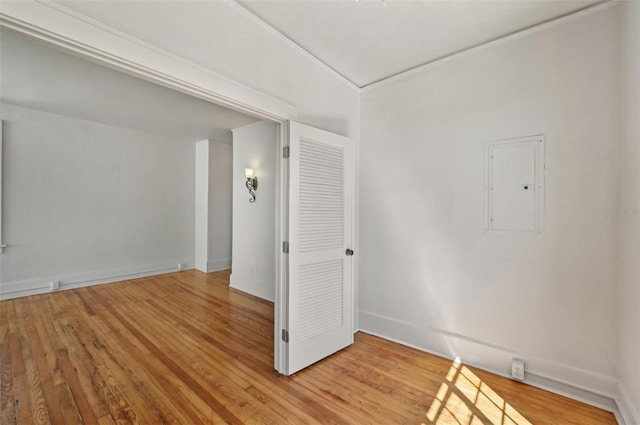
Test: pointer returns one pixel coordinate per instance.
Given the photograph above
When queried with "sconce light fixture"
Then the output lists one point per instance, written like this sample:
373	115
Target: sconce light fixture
252	183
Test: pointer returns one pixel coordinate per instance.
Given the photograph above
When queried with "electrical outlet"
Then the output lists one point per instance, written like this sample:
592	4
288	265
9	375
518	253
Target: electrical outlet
55	285
517	369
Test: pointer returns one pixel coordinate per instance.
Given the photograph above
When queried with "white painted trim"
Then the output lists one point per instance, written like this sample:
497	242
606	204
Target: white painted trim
43	285
2	245
579	384
93	40
218	264
356	222
281	317
291	43
628	413
262	290
595	8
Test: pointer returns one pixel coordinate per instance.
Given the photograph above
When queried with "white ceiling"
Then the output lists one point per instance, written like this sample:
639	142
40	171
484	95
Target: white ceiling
36	76
369	40
363	40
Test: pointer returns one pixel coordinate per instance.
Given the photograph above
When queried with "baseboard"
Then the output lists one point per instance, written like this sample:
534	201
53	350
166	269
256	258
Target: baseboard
579	384
25	288
628	413
218	264
264	290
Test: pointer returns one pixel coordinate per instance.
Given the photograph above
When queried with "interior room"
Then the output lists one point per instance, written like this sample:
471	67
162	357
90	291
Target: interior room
429	213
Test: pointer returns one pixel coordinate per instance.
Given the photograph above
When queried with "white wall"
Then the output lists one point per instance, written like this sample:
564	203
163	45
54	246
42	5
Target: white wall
253	252
220	205
629	218
213	219
201	219
429	273
86	202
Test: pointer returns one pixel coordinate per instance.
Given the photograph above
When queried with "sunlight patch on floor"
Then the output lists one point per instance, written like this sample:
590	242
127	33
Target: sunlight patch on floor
464	399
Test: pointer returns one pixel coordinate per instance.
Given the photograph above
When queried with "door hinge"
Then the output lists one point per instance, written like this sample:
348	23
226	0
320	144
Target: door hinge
285	247
285	152
285	335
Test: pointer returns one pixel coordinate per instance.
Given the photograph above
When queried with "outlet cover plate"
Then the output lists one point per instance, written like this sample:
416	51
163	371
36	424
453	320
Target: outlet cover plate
517	369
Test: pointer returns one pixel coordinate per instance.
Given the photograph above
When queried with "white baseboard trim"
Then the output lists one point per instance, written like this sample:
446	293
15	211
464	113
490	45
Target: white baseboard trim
579	384
25	288
628	413
264	290
218	264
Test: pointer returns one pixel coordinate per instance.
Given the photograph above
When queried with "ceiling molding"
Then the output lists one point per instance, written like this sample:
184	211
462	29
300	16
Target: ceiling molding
268	27
93	40
594	8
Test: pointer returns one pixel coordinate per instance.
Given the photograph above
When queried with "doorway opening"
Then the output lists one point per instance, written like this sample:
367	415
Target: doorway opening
42	81
188	80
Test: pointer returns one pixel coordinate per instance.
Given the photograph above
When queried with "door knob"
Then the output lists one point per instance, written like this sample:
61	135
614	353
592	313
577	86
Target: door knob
349	252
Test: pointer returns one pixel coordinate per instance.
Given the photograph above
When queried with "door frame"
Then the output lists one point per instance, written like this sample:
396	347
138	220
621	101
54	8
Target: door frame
92	40
89	39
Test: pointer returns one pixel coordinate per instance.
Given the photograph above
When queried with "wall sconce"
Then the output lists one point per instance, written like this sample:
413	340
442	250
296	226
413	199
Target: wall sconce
252	183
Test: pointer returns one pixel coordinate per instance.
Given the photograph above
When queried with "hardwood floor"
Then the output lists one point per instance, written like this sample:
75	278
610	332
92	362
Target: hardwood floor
183	348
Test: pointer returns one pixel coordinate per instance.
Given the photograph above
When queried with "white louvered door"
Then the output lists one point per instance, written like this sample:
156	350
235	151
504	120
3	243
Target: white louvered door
320	291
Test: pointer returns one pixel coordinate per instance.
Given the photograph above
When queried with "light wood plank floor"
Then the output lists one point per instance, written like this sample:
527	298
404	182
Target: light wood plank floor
183	348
